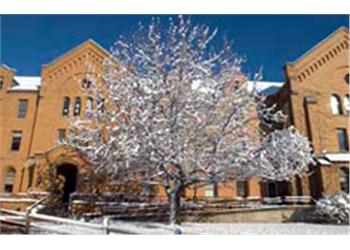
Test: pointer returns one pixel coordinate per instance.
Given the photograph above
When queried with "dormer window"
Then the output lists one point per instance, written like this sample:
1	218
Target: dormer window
85	83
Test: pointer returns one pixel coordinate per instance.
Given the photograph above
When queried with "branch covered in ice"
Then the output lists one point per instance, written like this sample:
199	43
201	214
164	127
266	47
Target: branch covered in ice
176	109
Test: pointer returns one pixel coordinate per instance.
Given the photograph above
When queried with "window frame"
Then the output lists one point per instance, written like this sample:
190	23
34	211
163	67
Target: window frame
61	132
344	141
89	103
22	110
77	106
338	110
239	185
13	137
66	106
13	173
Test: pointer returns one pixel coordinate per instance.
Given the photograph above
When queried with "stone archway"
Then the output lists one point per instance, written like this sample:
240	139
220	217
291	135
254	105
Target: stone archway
69	175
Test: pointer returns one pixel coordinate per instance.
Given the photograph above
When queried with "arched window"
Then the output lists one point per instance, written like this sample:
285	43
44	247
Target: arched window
89	103
66	103
344	179
9	182
335	105
77	106
346	103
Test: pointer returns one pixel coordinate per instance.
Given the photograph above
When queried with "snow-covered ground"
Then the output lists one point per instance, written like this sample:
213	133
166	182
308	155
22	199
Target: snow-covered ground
237	228
264	228
209	228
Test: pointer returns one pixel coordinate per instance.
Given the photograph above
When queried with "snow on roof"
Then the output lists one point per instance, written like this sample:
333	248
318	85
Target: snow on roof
323	161
264	87
338	157
26	83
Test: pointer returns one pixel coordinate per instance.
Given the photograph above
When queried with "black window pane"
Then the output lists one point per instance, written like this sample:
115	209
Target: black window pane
8	188
16	141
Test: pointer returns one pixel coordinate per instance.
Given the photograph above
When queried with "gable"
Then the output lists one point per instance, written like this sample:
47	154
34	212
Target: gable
89	54
321	55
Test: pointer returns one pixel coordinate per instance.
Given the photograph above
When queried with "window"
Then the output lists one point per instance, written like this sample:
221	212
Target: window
77	106
346	78
342	140
1	82
101	105
61	135
66	103
241	189
210	190
9	182
89	103
30	176
346	103
344	179
22	108
270	189
335	105
16	140
85	84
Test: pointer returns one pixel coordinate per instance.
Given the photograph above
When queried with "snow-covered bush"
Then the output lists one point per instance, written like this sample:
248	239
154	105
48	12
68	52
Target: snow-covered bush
334	208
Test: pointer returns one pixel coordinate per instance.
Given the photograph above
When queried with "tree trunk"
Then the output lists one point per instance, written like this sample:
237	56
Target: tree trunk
175	203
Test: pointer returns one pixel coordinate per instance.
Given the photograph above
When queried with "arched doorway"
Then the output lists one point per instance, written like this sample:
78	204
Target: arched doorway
69	172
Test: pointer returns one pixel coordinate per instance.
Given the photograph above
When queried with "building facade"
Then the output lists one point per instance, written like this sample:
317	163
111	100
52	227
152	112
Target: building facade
35	114
316	99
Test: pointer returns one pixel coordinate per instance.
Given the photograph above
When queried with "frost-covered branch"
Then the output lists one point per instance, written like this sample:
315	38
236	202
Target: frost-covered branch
177	110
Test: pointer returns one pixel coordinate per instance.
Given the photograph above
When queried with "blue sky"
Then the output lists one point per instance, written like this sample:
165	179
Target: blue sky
267	41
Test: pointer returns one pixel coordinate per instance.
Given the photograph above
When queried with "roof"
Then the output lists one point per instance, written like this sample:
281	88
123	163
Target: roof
265	87
26	83
338	157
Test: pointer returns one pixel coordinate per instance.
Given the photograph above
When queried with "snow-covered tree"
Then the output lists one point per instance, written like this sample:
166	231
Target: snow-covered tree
173	108
334	208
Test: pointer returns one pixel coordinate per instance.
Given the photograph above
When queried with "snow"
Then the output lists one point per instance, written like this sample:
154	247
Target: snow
338	157
189	228
265	87
323	161
268	228
26	83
